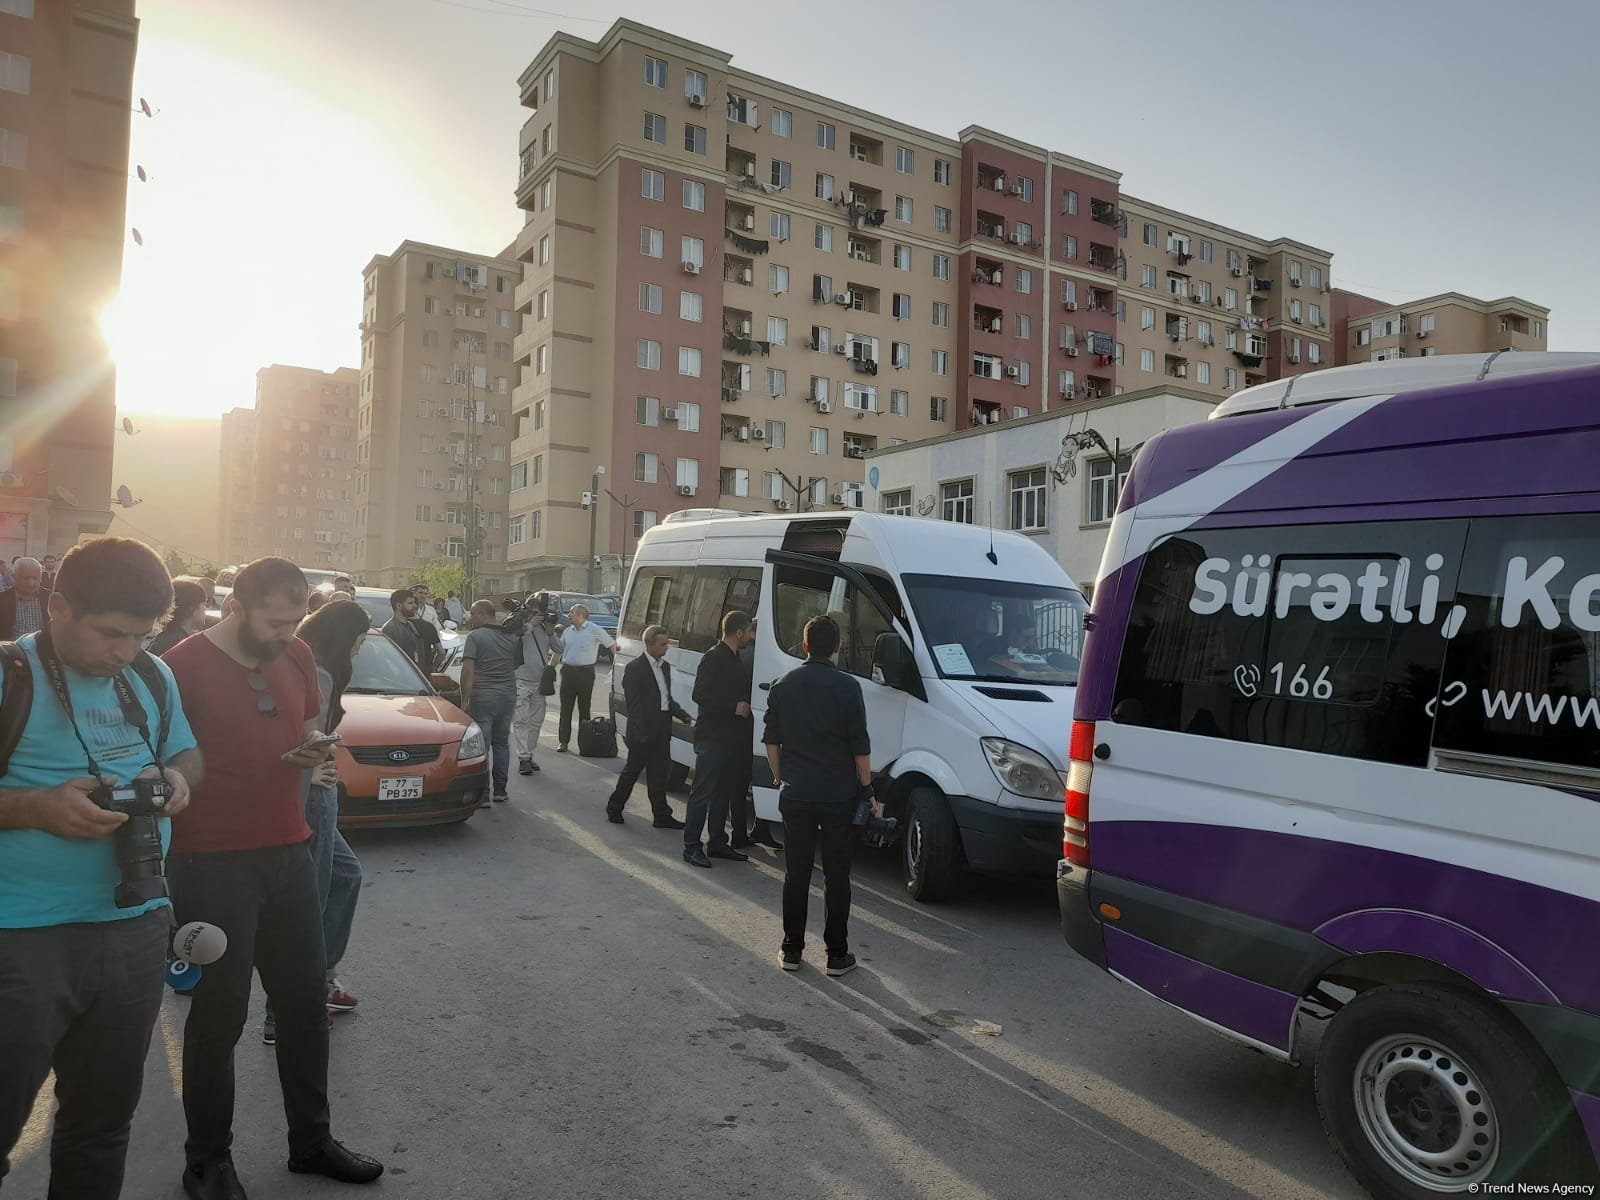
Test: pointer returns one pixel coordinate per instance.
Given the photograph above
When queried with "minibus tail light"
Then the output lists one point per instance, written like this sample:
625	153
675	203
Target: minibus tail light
1080	770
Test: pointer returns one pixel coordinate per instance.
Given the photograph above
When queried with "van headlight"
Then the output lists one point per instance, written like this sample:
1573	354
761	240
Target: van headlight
1023	771
472	745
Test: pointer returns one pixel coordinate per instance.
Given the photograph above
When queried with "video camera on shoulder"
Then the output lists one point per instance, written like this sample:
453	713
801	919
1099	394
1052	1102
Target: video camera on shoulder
536	606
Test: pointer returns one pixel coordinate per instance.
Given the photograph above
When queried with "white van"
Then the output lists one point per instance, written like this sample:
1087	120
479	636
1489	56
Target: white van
966	644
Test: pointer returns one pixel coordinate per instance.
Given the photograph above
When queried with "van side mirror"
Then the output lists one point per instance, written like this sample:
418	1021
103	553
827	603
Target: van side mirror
892	664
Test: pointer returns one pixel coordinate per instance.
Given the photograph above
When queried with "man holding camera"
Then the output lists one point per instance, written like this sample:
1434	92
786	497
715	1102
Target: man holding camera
538	650
97	748
817	747
241	861
489	686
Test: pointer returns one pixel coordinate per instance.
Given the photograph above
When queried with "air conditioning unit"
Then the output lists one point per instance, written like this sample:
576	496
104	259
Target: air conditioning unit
748	221
1012	372
686	489
781	505
759	433
438	487
750	170
841	348
859	155
995	325
1293	282
1016	239
843	299
837	498
443	412
691	268
1237	272
1296	320
999	184
696	100
669	414
744	327
744	433
824	407
442	517
747	276
1070	305
1072	352
1422	333
1017	190
1294	358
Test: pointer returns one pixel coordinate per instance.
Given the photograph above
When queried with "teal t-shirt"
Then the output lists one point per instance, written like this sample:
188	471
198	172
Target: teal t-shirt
47	880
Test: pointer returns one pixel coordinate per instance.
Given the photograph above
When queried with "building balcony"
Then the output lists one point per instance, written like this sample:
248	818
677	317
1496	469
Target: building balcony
1104	212
991	226
738	215
1103	257
988	271
1176	366
737	270
744	344
865	250
522	347
862	298
864	149
991	179
741	164
987	320
523	295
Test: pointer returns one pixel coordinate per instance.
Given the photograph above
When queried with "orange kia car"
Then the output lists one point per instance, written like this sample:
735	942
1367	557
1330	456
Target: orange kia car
408	756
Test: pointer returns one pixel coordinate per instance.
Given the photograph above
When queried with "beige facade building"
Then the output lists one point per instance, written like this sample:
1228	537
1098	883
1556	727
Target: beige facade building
289	469
1369	330
433	423
66	99
734	290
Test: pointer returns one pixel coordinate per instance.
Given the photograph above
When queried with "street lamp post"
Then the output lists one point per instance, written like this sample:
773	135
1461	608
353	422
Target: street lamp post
594	529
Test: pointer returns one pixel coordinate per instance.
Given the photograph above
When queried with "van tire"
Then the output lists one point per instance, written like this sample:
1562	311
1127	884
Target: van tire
929	847
1503	1083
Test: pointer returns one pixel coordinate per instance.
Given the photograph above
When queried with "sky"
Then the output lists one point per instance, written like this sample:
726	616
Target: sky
1432	145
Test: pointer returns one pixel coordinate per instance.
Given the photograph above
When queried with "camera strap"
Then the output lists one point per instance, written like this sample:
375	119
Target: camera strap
132	711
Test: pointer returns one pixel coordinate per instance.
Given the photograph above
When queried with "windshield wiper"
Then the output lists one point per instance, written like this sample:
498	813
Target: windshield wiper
369	691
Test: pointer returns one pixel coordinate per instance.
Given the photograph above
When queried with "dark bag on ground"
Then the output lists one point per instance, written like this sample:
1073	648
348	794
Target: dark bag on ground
597	738
547	680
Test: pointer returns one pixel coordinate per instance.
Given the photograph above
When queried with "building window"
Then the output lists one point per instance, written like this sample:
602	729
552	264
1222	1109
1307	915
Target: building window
1024	325
777	381
777	279
1314	351
1206	251
822	239
694	195
692	250
941	220
1316	277
655	128
902	209
688	416
958	502
643	519
689	361
649	298
941	314
1147	360
780	175
778	331
1538	329
897	504
1025	189
16	72
824	186
655	72
646	468
1147	277
1028	492
1315	313
782	122
1425	323
1024	280
688	473
1202	373
941	171
519	476
1069	203
649	355
1295	269
939	408
1105	486
1149	235
905	160
647	410
651	242
538	415
819	440
941	362
941	266
694	138
1230	299
695	84
542	312
902	257
1230	379
778	226
541	360
544	251
691	306
827	136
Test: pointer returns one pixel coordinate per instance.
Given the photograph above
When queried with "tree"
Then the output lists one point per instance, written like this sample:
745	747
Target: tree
442	577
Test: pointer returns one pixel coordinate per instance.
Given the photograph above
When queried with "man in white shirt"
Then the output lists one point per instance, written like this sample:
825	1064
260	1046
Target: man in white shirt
425	609
452	605
580	649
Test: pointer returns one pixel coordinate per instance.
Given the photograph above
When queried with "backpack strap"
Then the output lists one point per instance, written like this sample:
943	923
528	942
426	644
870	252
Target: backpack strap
17	701
150	675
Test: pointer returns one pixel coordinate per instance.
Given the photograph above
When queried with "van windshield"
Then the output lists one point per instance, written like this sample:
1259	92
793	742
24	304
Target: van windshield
998	631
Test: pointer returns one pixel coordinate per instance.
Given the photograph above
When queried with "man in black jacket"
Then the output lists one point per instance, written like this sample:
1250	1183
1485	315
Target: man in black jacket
722	733
647	690
817	747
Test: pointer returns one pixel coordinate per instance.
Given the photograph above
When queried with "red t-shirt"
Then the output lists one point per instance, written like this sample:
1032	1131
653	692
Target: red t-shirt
248	797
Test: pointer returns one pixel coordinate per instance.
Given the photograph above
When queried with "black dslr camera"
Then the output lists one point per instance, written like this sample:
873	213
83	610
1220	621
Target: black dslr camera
138	839
873	831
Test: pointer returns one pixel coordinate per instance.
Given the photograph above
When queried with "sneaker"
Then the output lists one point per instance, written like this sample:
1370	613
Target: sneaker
841	964
484	803
532	766
499	797
789	960
339	1000
269	1034
561	749
525	766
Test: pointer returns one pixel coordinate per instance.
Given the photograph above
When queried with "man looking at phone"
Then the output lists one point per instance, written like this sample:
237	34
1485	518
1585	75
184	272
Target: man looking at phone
240	860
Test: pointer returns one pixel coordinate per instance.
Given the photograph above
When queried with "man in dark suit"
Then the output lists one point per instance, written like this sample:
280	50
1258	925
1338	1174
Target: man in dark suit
25	608
647	690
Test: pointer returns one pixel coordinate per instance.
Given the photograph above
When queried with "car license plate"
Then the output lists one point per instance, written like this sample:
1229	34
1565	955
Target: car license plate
408	787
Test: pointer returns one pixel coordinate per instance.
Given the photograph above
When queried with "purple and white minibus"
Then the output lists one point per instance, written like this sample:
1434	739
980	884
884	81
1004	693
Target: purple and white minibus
1334	786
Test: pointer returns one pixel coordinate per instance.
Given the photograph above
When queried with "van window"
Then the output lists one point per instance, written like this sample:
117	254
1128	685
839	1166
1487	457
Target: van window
1324	638
1522	679
656	598
799	595
997	630
717	592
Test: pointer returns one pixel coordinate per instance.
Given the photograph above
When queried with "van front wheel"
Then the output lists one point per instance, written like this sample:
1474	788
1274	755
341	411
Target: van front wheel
928	846
1427	1091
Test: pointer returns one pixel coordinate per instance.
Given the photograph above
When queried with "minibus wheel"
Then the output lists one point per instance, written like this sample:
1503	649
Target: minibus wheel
1427	1091
928	845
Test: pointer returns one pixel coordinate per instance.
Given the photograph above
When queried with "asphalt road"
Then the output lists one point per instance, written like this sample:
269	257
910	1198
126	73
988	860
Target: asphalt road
553	1006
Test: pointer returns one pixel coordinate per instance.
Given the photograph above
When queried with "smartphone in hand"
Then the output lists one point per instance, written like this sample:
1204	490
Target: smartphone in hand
316	741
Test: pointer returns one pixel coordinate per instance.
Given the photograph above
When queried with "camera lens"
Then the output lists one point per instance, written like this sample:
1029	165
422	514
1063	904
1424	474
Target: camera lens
138	849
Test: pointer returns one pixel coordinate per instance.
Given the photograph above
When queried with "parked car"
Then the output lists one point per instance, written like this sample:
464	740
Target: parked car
451	640
409	756
604	611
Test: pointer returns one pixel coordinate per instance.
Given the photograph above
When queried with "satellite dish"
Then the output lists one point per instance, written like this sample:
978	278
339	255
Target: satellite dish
67	496
137	236
140	172
125	497
144	107
127	426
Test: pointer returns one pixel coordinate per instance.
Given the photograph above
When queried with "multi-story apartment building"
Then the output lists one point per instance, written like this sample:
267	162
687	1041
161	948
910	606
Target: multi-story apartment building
236	505
1214	309
1368	330
434	432
735	289
289	469
66	87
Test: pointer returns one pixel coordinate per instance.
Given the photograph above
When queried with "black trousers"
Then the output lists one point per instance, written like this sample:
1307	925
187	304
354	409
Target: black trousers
806	829
266	902
577	686
653	760
80	1000
740	809
707	810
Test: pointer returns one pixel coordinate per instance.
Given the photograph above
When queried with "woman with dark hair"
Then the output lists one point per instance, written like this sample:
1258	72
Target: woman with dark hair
335	633
188	615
